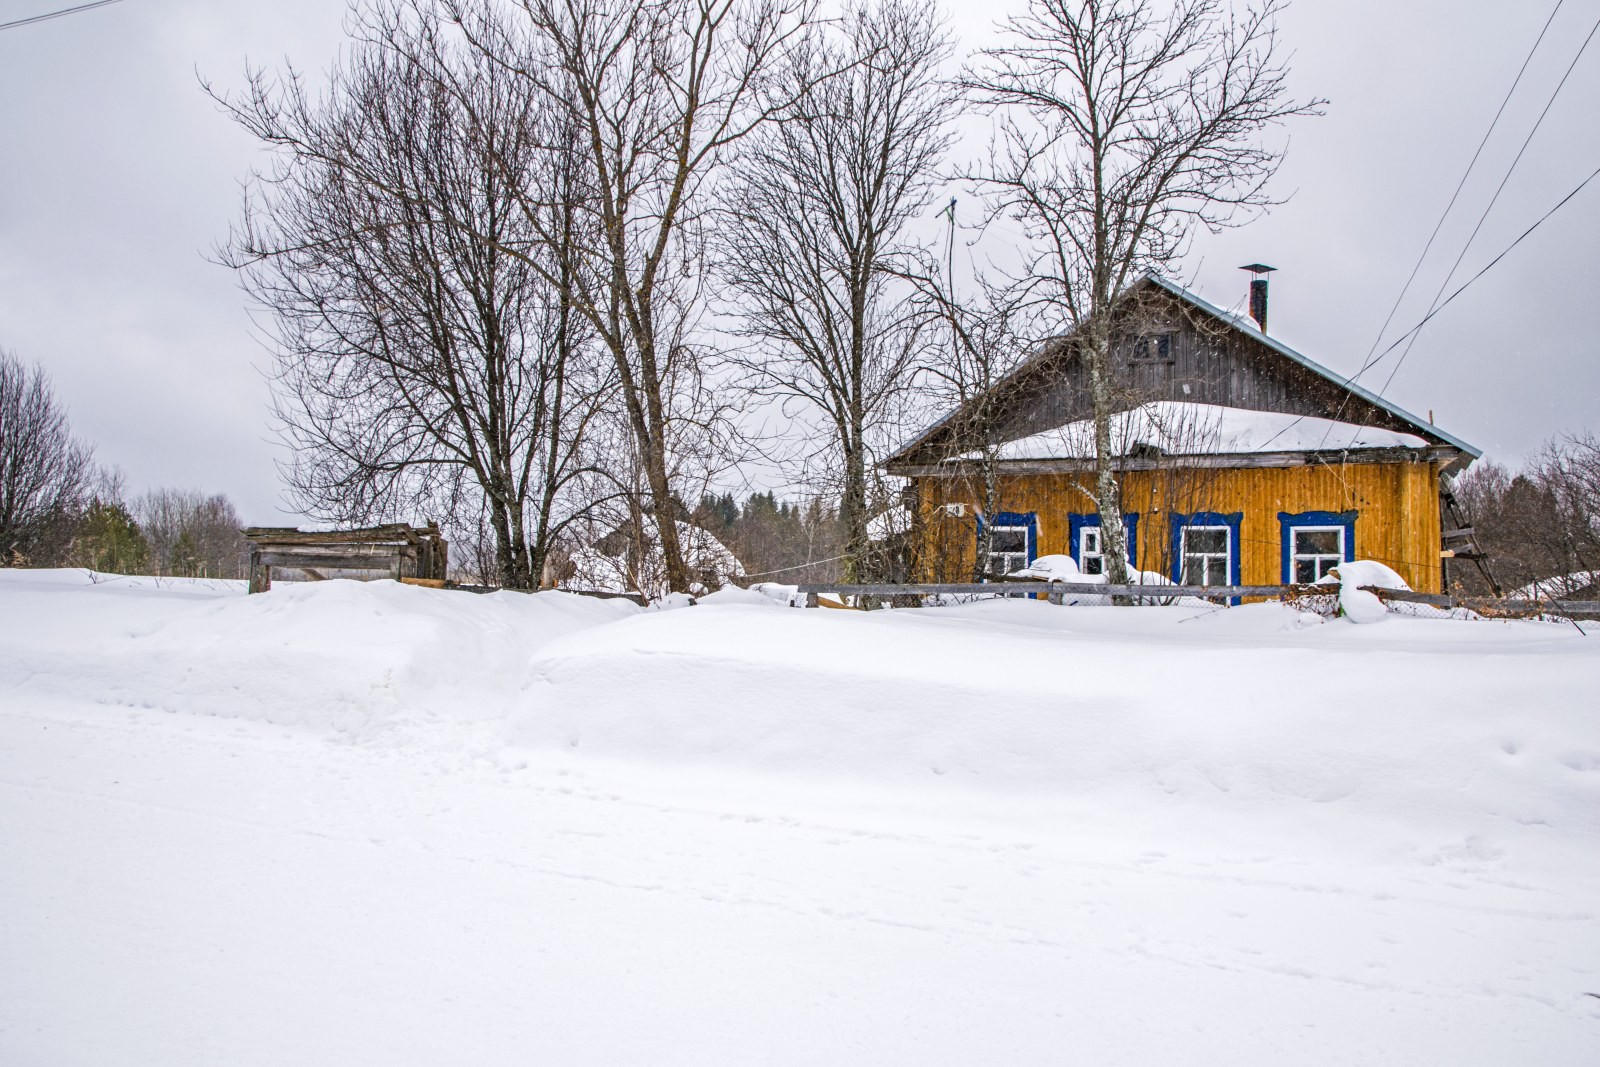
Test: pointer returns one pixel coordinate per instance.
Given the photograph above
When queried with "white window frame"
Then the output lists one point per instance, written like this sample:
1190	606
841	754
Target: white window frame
1226	555
1295	557
1026	553
1085	553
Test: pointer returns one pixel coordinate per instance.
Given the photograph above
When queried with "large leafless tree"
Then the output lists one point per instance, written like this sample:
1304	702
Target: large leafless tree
657	93
1123	126
815	234
46	474
429	354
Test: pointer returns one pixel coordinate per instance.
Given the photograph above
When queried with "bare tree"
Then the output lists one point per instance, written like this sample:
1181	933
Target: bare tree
984	341
814	234
1123	125
192	534
1539	524
46	474
657	92
429	354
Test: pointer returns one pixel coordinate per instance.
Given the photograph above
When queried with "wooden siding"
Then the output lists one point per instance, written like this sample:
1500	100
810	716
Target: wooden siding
1396	505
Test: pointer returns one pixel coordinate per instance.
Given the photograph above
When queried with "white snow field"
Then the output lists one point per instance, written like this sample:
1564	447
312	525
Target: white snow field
348	823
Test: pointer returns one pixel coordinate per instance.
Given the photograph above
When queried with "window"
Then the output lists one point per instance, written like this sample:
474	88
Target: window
1013	541
1314	551
1315	542
1008	549
1090	559
1153	348
1087	544
1206	553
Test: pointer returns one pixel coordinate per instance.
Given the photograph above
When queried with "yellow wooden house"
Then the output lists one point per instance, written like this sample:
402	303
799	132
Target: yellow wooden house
1240	460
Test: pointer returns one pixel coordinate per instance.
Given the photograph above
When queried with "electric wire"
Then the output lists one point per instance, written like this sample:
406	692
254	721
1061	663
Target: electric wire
1464	286
1471	164
1372	360
1492	200
55	14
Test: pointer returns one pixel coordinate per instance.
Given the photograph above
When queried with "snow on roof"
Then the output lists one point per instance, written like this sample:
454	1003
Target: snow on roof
1184	429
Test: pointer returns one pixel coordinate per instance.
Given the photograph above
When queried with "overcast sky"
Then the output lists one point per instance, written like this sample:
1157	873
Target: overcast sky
118	176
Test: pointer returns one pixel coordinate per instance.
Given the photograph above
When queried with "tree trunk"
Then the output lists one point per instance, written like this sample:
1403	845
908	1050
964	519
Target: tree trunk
853	510
1113	538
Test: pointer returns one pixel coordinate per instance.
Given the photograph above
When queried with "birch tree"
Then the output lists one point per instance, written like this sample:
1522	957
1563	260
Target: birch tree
1123	127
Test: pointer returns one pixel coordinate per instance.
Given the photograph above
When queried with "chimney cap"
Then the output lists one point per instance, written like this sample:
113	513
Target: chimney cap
1258	268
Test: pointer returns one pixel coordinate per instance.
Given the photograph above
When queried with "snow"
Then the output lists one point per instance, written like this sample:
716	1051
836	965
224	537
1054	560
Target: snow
611	565
1355	603
1065	569
369	823
732	594
1177	428
1559	587
890	523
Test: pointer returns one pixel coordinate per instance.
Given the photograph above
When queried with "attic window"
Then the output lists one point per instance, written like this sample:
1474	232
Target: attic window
1153	348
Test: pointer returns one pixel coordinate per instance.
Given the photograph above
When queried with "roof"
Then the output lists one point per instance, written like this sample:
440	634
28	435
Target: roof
1249	329
1242	325
1183	429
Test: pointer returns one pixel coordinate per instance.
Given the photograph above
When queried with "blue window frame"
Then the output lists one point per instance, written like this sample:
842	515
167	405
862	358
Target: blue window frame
1205	546
1313	541
1014	542
1077	523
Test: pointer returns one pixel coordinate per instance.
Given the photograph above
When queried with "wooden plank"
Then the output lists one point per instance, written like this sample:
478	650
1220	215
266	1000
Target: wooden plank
427	583
1070	588
1441	600
337	561
1218	461
260	574
289	535
351	551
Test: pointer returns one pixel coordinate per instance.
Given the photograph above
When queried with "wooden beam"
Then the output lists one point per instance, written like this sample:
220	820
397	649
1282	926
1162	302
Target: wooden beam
289	535
1024	588
350	551
335	560
1229	461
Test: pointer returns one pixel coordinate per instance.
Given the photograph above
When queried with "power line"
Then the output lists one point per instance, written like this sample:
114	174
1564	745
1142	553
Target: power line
1441	306
1492	200
1435	307
55	14
1446	302
1372	360
1376	341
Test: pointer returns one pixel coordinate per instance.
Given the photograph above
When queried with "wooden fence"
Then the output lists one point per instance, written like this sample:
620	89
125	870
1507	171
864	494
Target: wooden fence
1059	592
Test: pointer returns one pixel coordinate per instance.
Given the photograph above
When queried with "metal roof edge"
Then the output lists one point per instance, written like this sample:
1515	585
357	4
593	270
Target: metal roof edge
1250	330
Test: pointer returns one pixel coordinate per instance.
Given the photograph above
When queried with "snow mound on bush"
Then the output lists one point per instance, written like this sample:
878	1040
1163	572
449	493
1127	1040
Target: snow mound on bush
1355	603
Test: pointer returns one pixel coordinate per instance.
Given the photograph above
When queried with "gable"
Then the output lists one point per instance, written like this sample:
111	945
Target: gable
1206	356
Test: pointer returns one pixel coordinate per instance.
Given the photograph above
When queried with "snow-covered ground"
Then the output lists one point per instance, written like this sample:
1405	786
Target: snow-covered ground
352	824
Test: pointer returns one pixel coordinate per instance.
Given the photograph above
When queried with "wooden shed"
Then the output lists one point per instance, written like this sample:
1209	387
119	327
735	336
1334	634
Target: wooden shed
1240	461
405	553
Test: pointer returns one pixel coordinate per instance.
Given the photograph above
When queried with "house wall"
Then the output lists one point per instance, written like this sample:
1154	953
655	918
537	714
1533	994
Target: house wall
1396	506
